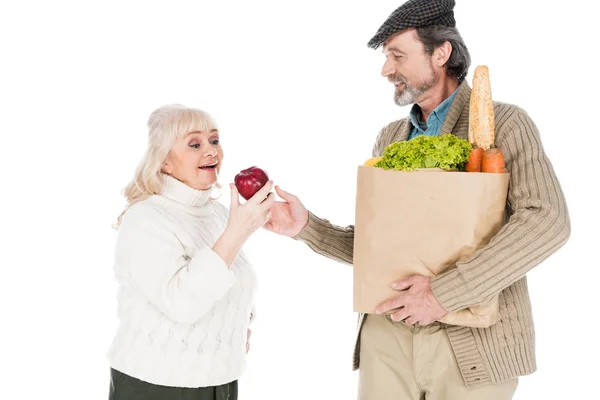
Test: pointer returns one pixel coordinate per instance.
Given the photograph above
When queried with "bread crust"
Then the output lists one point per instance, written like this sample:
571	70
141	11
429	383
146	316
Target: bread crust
481	110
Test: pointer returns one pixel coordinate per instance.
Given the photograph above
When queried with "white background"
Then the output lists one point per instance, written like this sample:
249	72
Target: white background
296	91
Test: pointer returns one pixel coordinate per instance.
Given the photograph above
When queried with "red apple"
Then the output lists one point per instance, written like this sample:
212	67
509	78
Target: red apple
250	180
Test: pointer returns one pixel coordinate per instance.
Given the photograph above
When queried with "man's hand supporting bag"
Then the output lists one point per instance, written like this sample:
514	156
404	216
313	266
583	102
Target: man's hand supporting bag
416	304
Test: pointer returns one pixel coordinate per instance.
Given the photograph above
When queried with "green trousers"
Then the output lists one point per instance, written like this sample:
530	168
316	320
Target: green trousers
125	387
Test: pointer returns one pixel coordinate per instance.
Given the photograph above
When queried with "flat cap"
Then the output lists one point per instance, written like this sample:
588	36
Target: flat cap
415	14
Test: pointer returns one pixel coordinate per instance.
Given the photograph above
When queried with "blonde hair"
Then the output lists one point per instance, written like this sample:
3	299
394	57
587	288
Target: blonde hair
165	125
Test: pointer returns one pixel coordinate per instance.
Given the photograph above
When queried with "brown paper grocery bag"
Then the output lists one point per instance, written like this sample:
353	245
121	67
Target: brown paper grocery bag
422	222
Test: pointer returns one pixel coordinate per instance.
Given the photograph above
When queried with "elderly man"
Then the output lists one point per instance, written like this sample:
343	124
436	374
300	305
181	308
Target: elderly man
408	354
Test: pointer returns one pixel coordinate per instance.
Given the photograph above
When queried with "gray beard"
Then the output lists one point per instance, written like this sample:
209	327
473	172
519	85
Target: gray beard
410	94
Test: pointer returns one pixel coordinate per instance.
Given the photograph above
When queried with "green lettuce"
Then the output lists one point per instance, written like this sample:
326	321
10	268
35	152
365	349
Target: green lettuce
445	151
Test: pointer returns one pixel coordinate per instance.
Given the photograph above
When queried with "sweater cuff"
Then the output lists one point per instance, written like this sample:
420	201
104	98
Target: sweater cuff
449	289
211	273
311	230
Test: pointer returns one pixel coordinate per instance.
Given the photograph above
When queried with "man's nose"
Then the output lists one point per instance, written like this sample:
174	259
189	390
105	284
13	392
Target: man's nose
388	69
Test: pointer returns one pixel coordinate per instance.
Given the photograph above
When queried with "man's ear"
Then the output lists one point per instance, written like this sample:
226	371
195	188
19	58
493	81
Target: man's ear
442	54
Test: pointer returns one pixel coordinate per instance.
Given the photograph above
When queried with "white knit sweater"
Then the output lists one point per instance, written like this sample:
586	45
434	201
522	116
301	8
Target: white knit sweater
183	314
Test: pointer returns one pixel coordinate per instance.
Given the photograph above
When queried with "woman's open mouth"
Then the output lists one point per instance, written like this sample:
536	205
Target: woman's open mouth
209	166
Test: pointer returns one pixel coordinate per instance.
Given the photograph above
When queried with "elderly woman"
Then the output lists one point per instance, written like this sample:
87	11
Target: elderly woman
186	290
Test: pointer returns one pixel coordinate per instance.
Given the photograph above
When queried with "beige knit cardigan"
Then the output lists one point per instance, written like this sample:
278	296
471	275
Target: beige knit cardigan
538	226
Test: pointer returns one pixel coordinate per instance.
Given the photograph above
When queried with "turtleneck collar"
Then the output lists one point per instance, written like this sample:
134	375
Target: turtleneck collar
181	193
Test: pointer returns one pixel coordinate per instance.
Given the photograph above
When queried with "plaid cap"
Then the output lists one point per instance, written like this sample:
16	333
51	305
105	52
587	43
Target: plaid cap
414	14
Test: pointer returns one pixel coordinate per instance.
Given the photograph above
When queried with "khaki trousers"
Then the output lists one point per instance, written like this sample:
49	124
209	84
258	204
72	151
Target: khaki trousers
399	361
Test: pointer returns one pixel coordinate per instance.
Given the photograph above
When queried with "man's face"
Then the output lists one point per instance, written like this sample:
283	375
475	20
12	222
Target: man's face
408	67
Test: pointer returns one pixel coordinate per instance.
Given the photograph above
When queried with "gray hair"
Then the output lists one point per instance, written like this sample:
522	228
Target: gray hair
434	36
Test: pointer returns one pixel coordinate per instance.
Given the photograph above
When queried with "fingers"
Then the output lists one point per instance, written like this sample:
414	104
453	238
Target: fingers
391	304
400	315
405	315
268	202
262	193
403	284
248	340
235	200
290	198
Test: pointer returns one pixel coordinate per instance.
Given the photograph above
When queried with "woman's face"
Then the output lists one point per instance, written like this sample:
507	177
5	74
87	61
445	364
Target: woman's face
195	159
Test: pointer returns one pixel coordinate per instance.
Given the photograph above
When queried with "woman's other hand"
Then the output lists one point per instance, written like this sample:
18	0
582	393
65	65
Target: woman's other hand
248	341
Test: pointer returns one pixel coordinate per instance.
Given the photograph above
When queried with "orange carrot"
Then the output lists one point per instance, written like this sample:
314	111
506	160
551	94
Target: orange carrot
474	163
493	161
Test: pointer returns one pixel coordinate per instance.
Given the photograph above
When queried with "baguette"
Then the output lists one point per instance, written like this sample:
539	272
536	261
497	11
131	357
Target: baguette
481	110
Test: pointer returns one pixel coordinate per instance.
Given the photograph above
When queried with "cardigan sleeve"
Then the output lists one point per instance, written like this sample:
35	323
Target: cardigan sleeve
183	286
538	226
329	240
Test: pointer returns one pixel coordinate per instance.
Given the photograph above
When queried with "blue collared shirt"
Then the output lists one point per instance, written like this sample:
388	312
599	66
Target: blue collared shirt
434	121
